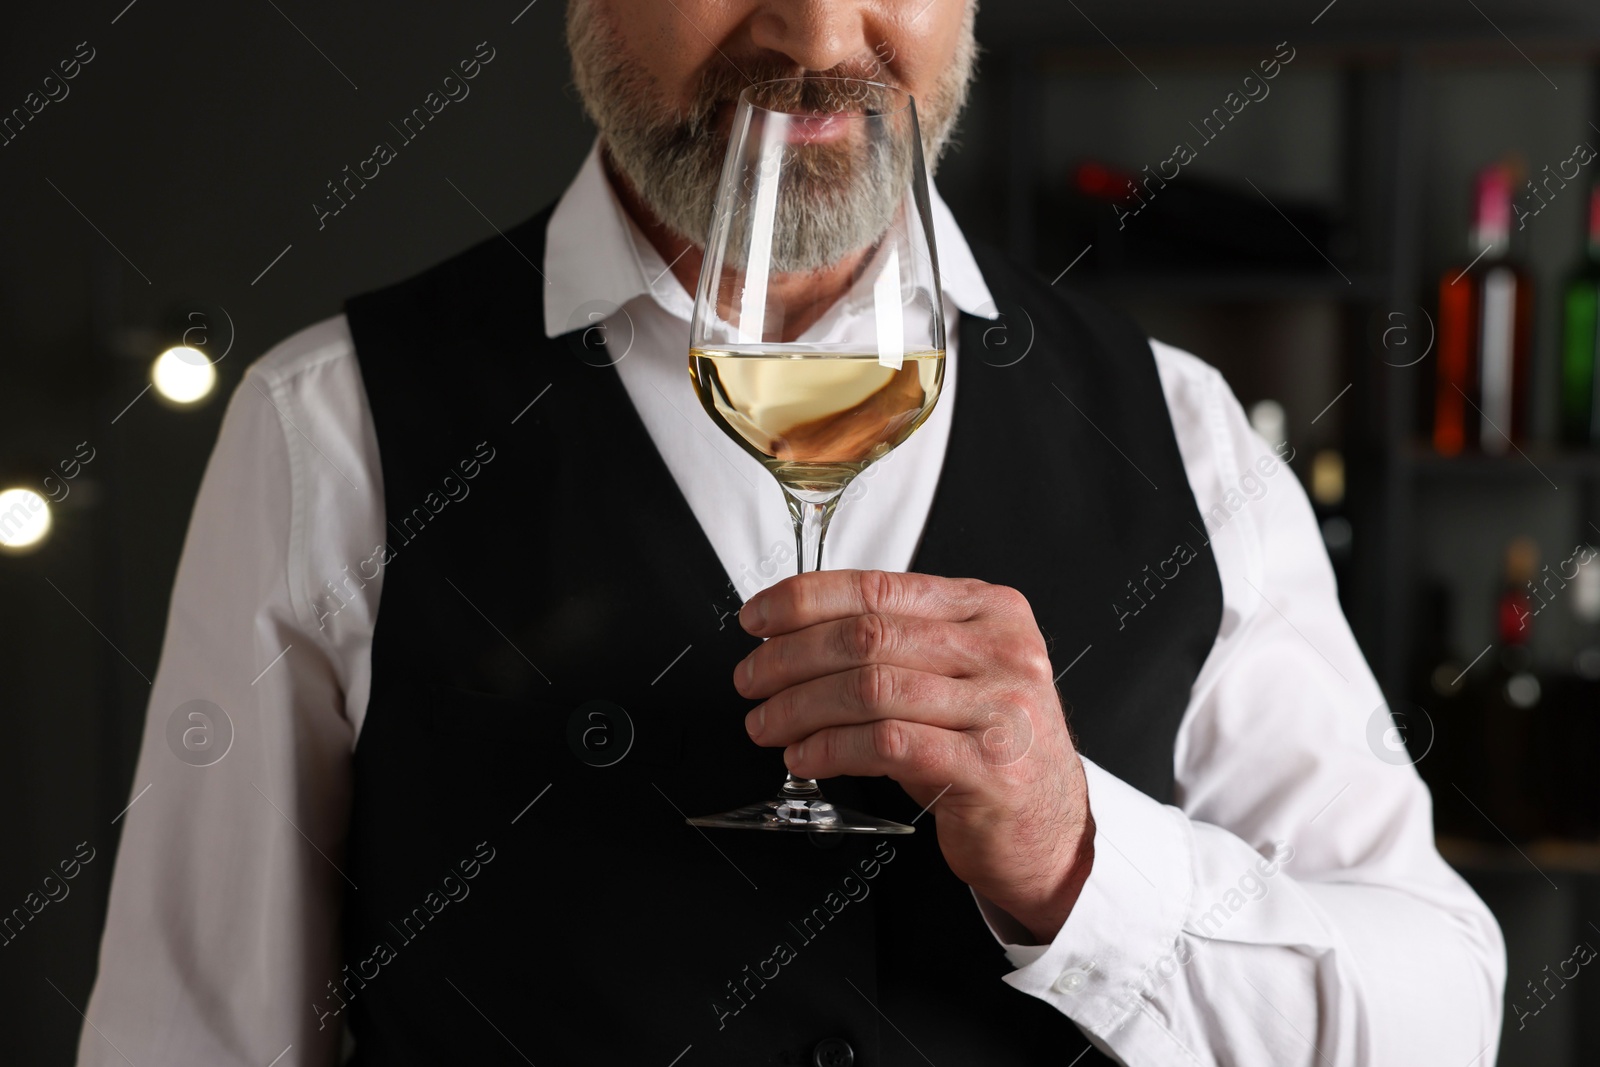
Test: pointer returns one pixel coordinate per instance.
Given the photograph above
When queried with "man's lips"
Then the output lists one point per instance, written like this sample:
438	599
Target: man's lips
820	129
816	128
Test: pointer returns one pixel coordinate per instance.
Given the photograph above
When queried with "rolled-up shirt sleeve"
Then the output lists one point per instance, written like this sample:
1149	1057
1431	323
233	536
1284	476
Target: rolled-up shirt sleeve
1291	906
221	929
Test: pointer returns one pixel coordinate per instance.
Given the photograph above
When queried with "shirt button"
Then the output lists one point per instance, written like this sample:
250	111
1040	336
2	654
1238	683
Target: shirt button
1074	979
833	1052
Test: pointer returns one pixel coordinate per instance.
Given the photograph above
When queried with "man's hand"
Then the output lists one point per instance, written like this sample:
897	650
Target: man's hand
944	685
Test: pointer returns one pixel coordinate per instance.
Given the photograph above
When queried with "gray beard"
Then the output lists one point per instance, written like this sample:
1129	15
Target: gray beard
831	200
836	198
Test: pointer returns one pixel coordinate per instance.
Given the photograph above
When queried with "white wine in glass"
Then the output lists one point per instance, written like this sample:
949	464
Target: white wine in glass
818	334
816	419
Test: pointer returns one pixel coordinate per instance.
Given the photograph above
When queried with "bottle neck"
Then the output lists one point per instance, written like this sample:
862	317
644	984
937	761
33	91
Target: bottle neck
1491	225
1483	240
1594	224
1514	618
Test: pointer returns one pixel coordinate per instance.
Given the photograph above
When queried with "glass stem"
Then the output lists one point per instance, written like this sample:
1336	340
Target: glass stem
811	513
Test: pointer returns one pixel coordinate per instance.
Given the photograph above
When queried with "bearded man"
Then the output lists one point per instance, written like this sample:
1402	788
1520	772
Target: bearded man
453	830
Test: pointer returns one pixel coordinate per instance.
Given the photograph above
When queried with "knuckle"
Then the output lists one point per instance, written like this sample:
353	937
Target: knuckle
1008	715
877	590
891	741
875	685
1013	600
1006	735
791	597
1030	660
922	761
1041	668
867	638
1015	705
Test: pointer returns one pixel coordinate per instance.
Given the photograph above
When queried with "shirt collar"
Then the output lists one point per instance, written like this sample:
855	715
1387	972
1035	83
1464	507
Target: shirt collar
596	258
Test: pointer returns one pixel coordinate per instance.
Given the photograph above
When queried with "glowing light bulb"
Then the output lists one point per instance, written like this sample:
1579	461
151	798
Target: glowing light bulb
24	519
183	375
1268	419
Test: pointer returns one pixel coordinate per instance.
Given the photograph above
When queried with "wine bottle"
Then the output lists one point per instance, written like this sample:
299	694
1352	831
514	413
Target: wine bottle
1485	333
1572	735
1580	407
1510	699
1586	612
1328	503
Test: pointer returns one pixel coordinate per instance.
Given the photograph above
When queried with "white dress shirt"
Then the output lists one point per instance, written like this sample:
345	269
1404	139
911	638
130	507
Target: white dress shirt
1289	908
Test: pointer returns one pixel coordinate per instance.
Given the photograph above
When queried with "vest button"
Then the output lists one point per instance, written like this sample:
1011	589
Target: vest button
833	1052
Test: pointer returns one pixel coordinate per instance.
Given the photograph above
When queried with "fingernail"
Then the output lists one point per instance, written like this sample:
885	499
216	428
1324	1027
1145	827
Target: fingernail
747	673
756	721
796	753
753	616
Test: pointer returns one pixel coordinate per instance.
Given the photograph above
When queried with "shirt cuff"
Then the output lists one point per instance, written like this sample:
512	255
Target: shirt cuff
1127	918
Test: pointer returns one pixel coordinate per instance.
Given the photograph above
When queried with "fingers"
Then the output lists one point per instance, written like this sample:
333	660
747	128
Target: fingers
843	644
822	596
914	754
863	695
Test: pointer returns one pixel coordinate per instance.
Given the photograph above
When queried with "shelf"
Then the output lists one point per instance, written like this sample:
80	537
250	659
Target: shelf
1082	81
1549	856
1537	463
1363	24
1247	285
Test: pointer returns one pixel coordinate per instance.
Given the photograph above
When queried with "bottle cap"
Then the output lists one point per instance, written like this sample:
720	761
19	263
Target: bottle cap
1522	560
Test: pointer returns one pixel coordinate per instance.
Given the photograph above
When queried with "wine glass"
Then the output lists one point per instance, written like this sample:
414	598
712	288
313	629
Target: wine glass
818	334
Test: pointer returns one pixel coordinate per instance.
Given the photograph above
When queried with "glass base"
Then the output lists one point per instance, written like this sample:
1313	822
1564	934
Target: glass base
800	809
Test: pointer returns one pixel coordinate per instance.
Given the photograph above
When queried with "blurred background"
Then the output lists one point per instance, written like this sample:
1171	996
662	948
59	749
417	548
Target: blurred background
1383	231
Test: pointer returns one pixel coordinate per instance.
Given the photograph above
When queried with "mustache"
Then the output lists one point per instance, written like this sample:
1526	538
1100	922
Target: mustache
844	87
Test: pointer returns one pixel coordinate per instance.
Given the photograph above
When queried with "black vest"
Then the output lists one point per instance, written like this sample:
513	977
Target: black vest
528	889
